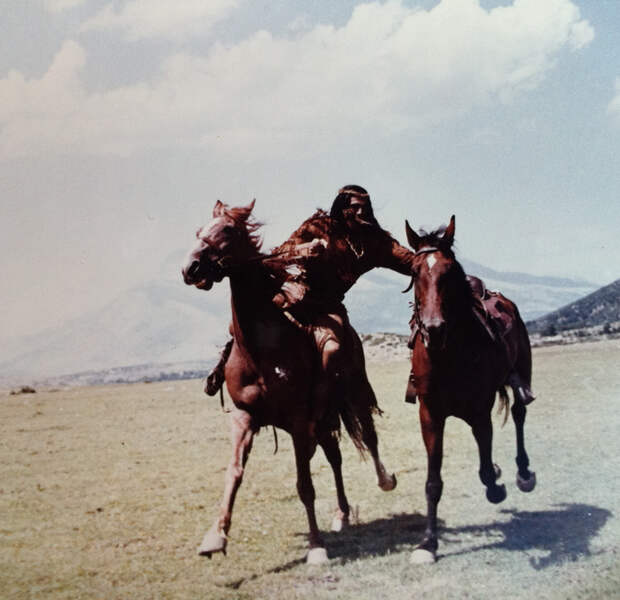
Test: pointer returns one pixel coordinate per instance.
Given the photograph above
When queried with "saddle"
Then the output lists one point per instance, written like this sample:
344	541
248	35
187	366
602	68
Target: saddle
492	310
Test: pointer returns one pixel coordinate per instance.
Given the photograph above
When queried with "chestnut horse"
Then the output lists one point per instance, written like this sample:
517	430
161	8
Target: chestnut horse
458	368
272	371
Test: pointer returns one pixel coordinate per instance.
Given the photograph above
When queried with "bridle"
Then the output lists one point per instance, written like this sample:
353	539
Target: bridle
425	250
415	319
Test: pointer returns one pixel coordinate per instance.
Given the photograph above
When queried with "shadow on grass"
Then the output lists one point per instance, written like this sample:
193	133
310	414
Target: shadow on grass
376	538
563	534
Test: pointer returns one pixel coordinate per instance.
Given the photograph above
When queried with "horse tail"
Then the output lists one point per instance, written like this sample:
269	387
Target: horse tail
357	409
354	399
504	403
350	417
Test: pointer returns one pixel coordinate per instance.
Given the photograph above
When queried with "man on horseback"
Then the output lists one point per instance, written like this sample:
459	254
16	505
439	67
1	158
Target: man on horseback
323	258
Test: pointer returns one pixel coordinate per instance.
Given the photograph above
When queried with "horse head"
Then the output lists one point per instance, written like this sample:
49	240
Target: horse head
433	268
225	243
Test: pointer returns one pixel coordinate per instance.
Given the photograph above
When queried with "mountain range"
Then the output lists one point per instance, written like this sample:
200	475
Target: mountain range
165	322
600	308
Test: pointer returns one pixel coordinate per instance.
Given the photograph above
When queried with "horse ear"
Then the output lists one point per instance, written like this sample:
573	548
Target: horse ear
245	211
412	237
448	237
250	207
218	209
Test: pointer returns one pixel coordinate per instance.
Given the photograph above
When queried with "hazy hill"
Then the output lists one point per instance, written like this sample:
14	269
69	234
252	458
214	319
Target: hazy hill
166	322
596	309
376	304
160	322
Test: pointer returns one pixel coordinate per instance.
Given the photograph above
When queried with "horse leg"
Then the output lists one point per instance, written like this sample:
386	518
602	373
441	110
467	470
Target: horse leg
365	400
489	473
526	479
342	381
330	446
351	385
432	434
304	449
242	434
330	384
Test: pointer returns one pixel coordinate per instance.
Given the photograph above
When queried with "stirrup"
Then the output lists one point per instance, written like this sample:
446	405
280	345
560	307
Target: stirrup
412	393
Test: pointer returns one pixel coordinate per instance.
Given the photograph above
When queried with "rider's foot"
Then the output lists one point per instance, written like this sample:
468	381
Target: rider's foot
521	389
527	395
214	381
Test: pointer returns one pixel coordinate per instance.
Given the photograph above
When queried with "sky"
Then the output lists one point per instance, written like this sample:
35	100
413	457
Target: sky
122	122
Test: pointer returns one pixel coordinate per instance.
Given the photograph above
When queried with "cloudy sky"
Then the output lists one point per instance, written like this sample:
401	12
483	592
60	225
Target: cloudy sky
121	123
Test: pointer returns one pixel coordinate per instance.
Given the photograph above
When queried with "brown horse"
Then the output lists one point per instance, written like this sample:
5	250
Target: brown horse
272	373
459	368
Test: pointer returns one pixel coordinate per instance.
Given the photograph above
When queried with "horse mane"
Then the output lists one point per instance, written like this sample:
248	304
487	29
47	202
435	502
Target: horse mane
244	220
457	274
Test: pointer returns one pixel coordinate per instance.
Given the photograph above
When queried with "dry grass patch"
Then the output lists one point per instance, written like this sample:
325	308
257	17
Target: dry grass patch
106	492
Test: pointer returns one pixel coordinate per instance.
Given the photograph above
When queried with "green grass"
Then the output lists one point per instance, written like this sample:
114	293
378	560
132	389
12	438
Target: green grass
105	492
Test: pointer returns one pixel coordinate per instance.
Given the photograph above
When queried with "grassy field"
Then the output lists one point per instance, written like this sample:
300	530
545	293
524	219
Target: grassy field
105	492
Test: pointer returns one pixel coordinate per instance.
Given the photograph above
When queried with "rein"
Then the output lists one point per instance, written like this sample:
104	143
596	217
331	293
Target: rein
224	264
303	253
262	258
418	326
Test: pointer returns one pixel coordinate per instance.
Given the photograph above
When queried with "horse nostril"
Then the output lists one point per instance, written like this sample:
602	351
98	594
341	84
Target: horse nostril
194	268
435	328
433	324
191	271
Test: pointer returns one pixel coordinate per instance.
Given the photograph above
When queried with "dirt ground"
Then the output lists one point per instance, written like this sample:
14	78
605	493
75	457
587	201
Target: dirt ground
105	492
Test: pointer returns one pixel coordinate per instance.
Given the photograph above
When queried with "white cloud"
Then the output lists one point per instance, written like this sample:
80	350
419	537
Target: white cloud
141	19
390	68
60	5
613	107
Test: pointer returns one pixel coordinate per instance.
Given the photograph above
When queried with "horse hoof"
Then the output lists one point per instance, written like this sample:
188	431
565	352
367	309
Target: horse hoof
340	522
496	494
317	556
212	542
388	483
498	471
420	556
526	485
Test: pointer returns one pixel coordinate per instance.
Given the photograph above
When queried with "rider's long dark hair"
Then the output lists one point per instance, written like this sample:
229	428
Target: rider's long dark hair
342	201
